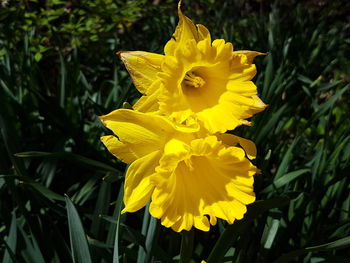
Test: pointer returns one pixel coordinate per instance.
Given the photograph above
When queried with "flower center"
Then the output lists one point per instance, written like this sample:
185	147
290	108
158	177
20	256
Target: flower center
192	80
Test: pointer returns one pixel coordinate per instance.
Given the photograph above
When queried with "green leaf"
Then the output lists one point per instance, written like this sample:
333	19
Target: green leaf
145	223
329	104
267	78
304	79
327	86
186	246
62	81
133	236
238	227
150	238
270	125
79	244
71	157
119	207
45	191
285	179
10	138
85	191
11	241
110	177
338	244
101	207
283	167
271	229
32	252
12	256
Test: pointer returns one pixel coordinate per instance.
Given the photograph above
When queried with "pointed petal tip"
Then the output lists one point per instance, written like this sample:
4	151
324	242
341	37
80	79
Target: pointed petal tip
180	14
179	6
102	119
121	54
262	53
105	138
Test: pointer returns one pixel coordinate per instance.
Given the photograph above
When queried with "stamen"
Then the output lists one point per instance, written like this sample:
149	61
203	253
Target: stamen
193	80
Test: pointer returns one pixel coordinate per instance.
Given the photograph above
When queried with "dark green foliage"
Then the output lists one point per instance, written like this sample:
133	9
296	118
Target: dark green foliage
59	71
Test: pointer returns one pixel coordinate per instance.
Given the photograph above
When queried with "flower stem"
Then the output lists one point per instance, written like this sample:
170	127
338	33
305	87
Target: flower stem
186	246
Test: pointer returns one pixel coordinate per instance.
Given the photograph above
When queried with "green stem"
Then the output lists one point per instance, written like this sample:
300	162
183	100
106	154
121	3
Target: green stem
186	246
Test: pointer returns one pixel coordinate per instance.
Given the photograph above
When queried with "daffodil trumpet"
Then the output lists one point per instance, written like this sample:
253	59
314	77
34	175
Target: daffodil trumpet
190	180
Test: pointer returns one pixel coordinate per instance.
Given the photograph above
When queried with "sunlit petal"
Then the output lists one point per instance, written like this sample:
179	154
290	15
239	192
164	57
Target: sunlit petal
138	188
140	132
214	180
142	67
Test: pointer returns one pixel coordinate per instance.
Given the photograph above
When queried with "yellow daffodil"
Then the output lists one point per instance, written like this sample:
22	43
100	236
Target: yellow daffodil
190	180
197	80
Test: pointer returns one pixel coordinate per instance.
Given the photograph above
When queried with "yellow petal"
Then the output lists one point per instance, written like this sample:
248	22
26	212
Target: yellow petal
224	49
245	88
240	69
221	118
120	150
142	66
149	102
232	140
250	54
138	188
203	33
184	31
142	133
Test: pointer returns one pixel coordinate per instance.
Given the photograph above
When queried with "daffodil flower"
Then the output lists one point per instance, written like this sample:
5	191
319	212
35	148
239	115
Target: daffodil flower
197	80
190	180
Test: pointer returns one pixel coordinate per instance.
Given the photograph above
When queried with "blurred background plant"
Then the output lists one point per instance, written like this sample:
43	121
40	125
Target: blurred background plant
61	191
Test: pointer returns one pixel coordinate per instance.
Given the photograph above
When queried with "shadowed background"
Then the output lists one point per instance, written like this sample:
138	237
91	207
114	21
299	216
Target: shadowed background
58	184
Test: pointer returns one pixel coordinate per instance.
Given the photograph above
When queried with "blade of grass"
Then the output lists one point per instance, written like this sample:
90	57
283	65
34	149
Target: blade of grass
329	104
285	179
271	229
11	240
102	203
233	231
45	191
145	223
119	207
150	238
62	81
79	244
85	191
186	246
270	124
338	244
283	167
32	252
12	256
71	157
